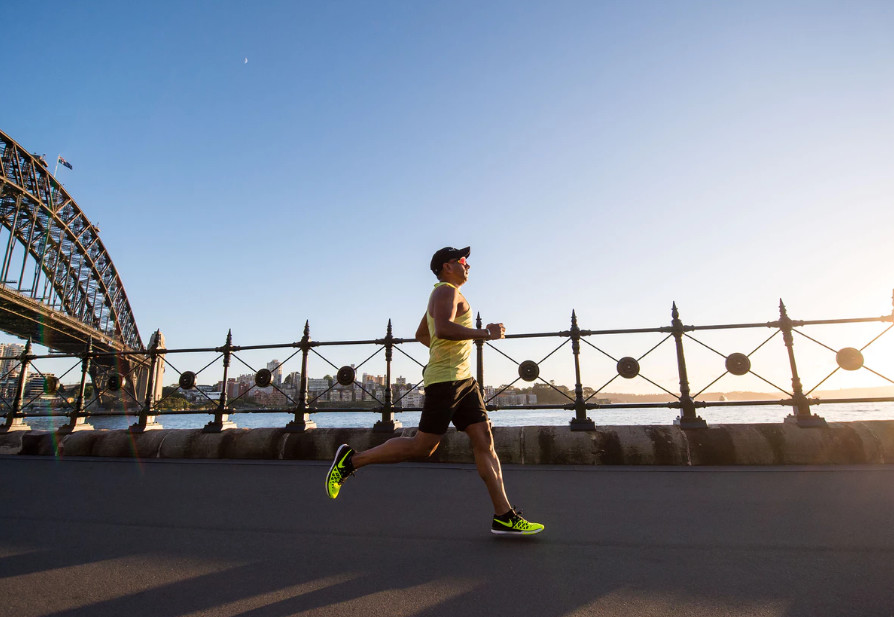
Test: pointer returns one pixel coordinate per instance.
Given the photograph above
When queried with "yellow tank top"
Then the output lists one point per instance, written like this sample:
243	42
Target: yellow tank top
448	360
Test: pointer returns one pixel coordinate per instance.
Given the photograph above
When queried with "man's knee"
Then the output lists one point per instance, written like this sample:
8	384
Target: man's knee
424	450
425	444
481	437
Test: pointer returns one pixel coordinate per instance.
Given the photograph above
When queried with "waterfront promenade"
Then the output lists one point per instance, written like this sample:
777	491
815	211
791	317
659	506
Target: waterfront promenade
116	537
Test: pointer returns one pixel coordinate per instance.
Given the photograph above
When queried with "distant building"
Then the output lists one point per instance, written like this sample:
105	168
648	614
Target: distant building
275	368
317	385
232	388
269	397
413	398
379	380
510	397
8	387
36	386
316	388
10	352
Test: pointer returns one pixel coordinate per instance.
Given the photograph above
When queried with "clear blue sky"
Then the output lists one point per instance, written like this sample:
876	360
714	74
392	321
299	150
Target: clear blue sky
253	165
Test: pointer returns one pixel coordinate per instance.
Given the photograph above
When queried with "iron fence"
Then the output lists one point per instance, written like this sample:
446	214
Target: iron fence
27	392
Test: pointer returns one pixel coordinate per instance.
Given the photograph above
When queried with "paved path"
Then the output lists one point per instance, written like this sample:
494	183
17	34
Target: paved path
260	539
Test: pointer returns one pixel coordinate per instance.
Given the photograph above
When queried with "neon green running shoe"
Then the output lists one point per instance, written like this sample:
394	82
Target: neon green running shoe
513	524
340	471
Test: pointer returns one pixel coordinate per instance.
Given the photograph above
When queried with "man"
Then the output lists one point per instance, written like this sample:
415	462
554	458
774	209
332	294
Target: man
451	394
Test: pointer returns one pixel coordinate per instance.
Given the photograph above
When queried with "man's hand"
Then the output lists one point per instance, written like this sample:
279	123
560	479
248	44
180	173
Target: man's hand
496	330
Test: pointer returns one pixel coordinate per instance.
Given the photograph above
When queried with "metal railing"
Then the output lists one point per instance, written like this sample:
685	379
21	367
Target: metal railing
148	403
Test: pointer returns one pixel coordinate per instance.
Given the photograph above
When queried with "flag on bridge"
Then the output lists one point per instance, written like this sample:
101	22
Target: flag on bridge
64	162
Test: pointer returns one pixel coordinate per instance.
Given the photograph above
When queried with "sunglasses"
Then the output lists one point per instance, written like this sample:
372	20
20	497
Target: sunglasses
462	260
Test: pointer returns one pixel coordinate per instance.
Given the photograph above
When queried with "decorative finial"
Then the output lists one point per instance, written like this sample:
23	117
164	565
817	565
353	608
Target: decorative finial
782	311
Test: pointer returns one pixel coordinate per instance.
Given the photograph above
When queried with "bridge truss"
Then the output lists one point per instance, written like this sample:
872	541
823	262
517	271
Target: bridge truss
54	266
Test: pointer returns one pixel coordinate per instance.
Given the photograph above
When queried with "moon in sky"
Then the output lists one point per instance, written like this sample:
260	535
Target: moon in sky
245	61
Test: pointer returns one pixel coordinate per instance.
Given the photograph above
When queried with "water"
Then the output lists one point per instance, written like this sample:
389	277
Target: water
757	414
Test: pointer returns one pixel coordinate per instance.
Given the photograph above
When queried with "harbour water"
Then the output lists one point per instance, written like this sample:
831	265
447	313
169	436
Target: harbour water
757	414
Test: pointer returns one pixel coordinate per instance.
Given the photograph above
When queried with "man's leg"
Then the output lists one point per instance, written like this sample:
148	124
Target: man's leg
488	465
392	451
434	419
398	450
507	521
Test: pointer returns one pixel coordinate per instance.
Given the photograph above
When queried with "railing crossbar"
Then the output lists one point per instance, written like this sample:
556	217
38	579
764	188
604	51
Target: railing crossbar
410	357
810	338
882	333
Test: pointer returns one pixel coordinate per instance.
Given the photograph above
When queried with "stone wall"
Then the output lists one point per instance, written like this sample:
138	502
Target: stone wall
731	444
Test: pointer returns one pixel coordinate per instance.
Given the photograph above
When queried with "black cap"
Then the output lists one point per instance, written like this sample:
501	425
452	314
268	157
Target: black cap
446	254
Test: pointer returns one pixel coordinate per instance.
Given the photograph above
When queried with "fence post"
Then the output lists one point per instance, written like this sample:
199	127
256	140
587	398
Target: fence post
387	424
580	421
688	418
305	350
801	406
15	419
479	356
146	419
221	421
302	420
78	421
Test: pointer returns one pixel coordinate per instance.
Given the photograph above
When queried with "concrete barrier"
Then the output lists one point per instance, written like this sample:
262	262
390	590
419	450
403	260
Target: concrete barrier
730	444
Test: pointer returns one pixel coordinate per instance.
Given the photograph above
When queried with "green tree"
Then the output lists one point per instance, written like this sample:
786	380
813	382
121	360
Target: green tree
173	399
552	394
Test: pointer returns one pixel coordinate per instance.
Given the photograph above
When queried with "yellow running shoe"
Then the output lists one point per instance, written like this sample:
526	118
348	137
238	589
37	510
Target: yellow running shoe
513	524
340	471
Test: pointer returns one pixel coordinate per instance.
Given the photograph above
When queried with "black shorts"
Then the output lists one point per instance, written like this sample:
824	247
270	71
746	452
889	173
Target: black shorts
459	401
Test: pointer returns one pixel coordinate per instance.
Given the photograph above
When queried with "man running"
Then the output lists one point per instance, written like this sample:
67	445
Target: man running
451	394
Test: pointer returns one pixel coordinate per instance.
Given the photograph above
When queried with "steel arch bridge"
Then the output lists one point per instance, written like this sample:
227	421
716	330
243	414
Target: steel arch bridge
58	284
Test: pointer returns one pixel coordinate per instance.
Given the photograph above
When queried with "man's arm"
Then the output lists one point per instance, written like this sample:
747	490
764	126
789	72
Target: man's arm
444	303
422	332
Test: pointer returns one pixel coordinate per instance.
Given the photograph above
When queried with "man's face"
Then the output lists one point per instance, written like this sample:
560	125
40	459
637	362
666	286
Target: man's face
458	268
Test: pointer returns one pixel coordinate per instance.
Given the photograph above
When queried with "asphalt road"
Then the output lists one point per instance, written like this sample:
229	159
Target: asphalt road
260	539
